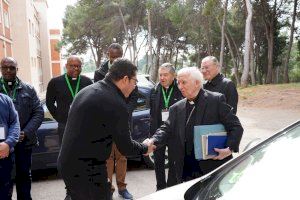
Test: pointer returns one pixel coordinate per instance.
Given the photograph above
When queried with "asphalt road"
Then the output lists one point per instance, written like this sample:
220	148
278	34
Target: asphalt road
258	123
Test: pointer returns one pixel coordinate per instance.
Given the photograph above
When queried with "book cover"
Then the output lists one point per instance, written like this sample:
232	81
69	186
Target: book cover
215	141
204	130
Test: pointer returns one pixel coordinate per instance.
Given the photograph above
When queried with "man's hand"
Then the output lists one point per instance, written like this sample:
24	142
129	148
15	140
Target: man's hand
151	146
223	153
22	136
4	150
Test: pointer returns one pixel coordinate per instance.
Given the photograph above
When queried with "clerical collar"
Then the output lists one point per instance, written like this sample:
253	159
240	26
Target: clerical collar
72	78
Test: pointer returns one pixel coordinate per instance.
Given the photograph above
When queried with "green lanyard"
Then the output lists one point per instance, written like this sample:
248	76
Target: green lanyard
167	99
70	87
14	89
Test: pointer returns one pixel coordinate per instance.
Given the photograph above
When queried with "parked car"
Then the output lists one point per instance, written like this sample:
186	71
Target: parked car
269	170
46	153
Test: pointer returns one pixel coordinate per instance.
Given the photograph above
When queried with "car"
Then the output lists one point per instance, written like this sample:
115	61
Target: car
45	154
269	170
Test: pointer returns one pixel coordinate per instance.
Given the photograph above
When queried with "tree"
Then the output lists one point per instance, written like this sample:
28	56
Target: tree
245	75
286	63
223	34
89	26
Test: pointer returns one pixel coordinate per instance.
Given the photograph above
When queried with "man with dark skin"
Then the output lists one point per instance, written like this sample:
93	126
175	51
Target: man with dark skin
30	114
62	90
114	51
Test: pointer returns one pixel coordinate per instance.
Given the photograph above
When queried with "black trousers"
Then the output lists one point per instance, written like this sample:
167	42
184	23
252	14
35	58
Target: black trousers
23	160
159	166
6	166
87	182
60	131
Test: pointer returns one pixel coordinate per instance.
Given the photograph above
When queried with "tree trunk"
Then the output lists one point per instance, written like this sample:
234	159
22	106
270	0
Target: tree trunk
252	72
223	35
126	31
287	59
159	41
239	60
235	67
176	57
150	62
245	75
269	26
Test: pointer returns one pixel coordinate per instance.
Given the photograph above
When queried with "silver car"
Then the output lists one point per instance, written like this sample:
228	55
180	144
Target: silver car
269	170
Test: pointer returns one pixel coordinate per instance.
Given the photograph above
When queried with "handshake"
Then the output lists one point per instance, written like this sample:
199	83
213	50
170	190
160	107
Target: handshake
150	145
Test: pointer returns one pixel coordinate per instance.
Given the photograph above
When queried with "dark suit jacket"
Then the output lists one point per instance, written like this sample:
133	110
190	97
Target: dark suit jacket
212	109
224	86
101	72
155	111
97	118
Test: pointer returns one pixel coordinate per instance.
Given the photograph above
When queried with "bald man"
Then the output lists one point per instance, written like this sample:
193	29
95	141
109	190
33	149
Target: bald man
62	90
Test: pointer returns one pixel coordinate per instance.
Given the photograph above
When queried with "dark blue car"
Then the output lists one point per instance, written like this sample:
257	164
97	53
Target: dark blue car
45	155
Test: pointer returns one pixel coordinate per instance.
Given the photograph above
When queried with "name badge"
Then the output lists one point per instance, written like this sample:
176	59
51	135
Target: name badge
2	133
164	115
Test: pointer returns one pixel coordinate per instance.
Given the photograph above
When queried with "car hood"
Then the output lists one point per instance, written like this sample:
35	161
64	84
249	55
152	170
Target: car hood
175	193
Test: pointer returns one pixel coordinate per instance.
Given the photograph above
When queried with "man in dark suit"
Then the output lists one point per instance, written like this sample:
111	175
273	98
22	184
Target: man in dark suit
97	119
164	95
200	107
216	82
116	160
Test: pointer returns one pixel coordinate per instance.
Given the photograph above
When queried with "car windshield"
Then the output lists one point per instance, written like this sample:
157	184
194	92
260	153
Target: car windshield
270	172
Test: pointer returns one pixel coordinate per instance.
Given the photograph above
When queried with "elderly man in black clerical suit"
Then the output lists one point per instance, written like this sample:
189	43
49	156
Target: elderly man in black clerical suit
200	107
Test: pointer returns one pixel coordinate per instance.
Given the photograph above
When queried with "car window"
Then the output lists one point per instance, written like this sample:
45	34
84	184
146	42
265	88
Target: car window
47	116
141	102
271	172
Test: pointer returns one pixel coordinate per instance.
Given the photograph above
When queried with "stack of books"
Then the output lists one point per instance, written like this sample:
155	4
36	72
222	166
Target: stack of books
208	137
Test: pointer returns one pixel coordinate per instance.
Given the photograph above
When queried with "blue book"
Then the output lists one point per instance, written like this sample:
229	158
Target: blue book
201	130
215	141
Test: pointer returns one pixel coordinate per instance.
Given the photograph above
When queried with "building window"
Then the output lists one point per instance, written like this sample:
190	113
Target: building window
6	19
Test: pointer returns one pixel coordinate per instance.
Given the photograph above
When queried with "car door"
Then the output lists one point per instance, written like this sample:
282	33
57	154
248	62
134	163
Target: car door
141	116
46	153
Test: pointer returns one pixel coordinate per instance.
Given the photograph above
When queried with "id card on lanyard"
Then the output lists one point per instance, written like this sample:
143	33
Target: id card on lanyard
164	115
166	101
2	132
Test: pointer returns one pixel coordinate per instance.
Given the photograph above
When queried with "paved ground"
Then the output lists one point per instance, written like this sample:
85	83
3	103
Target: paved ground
257	122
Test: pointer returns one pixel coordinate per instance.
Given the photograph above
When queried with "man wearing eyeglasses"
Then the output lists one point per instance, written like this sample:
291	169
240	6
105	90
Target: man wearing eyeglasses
30	114
116	160
216	82
62	90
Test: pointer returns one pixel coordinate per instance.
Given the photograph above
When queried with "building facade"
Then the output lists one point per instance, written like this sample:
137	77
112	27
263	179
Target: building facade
55	38
30	37
5	29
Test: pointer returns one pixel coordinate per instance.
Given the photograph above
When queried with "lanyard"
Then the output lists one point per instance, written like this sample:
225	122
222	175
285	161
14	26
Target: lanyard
14	89
70	87
167	99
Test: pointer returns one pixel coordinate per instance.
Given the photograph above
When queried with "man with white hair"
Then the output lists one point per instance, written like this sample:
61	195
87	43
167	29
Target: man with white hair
216	82
200	107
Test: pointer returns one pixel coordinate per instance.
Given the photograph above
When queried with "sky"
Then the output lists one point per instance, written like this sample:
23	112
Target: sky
56	12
